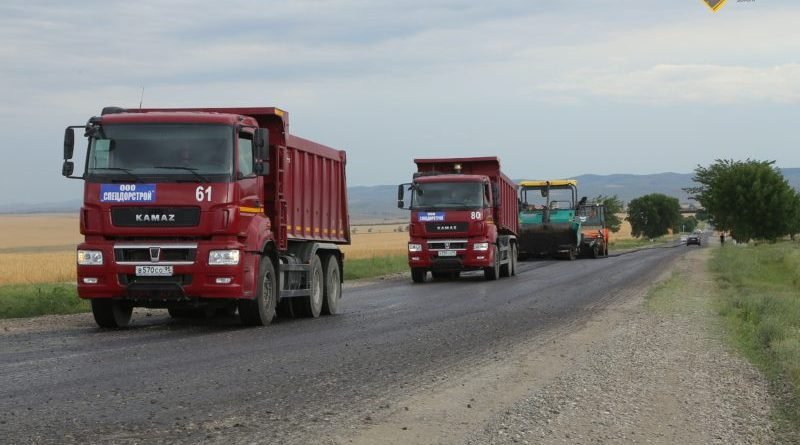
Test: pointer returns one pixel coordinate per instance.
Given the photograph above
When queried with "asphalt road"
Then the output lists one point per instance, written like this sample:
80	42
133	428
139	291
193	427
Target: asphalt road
296	381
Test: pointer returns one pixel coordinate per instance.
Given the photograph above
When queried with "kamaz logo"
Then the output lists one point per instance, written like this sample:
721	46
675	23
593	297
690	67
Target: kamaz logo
164	217
446	227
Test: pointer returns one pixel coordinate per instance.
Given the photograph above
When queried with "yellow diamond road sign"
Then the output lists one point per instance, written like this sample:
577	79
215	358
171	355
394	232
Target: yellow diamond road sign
714	4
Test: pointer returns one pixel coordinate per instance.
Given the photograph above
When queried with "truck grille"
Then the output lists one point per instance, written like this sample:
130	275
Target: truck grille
447	245
155	253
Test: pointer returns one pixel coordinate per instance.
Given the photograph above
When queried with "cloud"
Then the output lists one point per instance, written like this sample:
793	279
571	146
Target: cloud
384	78
675	83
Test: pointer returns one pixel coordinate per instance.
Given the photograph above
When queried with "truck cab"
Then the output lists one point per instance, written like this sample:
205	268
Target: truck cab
453	226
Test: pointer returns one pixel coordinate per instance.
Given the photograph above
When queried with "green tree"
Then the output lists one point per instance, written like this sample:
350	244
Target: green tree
653	215
613	208
687	224
750	199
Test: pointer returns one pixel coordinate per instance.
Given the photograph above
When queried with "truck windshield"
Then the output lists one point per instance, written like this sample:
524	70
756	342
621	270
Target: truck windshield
161	153
448	195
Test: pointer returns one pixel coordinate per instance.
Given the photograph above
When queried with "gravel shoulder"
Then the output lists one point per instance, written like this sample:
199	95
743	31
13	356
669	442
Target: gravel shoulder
663	374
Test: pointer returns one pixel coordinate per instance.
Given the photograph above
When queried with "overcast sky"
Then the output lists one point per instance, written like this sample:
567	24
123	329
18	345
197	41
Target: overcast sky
554	88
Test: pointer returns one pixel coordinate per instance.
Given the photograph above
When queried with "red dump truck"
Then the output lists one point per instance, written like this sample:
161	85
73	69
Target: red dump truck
207	210
463	217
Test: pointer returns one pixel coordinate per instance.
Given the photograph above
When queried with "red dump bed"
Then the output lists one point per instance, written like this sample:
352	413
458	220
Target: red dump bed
506	217
315	190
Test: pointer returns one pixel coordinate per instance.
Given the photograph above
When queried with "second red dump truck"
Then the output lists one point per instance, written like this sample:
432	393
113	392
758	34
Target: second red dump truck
463	217
208	209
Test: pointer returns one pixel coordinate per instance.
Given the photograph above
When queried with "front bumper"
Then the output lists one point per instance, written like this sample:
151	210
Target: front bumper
466	258
192	277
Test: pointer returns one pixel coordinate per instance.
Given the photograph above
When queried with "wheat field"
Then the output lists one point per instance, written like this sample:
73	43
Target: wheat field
41	248
624	231
28	232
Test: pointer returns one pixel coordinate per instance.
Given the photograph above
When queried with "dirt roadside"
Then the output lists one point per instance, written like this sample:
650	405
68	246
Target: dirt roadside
652	369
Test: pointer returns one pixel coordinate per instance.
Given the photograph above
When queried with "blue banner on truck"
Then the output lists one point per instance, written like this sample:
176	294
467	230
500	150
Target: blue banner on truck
127	193
431	216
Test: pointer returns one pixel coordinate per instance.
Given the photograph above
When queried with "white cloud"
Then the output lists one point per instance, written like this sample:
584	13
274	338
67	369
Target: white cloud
673	83
384	78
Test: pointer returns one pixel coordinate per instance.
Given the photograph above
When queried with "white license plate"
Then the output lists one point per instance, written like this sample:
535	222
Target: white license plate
447	253
153	271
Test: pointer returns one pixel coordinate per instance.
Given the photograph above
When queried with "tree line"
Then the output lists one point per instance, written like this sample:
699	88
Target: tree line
749	199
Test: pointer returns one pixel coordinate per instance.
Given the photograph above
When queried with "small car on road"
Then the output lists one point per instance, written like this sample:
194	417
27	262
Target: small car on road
694	238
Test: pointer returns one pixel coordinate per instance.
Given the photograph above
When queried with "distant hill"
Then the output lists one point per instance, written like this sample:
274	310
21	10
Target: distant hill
379	203
71	205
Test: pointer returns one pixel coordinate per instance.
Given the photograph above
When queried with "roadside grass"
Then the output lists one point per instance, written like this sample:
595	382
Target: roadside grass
374	266
676	295
760	302
30	300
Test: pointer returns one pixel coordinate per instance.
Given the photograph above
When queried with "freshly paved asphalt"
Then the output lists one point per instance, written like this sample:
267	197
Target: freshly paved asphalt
295	381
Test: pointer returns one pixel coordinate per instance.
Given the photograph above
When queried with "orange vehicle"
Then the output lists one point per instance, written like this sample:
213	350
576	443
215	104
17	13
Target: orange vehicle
594	231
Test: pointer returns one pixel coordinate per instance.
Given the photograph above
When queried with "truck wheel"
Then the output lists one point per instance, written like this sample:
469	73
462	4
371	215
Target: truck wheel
333	287
595	251
513	260
261	310
418	275
491	273
311	306
111	314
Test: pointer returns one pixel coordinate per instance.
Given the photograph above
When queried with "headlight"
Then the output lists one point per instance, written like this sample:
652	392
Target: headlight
223	257
480	247
90	258
414	247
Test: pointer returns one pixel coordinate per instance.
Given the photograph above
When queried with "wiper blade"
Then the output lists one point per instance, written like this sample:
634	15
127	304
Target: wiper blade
124	170
192	170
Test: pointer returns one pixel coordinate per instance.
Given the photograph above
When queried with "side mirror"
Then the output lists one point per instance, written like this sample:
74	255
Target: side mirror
496	195
400	194
261	143
69	143
401	202
67	168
